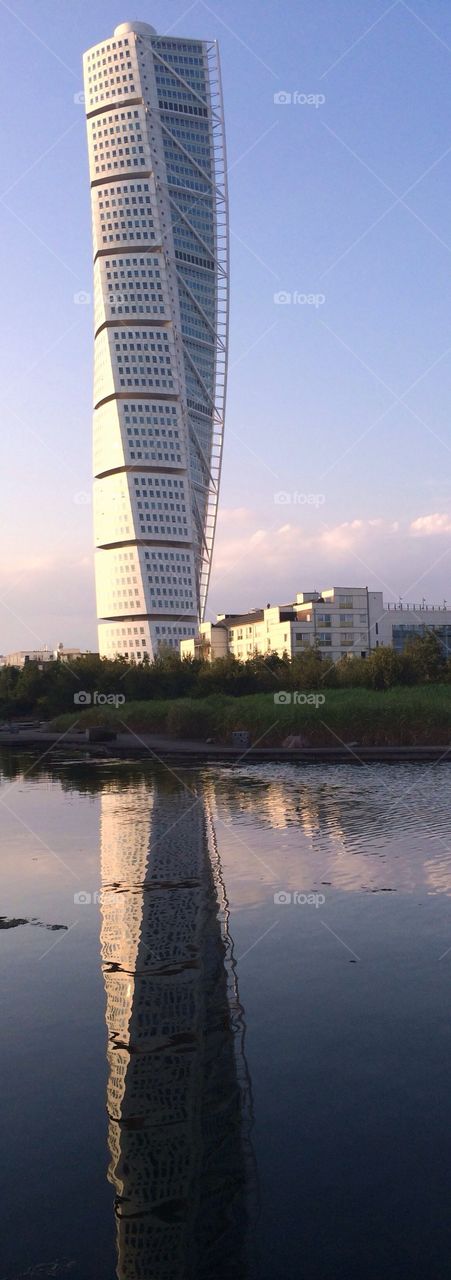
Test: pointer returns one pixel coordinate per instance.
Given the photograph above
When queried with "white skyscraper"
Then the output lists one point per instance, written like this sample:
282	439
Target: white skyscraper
159	213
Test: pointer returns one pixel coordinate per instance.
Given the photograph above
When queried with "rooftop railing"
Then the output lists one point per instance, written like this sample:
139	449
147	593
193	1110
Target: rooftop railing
419	608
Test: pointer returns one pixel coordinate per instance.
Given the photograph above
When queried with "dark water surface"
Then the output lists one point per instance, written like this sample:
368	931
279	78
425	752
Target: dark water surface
235	1058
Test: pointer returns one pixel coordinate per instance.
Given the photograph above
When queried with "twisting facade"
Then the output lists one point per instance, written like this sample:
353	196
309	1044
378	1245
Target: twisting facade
159	213
179	1095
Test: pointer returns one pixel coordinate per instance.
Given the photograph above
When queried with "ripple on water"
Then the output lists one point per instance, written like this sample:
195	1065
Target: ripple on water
377	827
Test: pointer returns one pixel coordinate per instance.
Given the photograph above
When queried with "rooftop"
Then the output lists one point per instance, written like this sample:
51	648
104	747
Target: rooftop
139	28
241	619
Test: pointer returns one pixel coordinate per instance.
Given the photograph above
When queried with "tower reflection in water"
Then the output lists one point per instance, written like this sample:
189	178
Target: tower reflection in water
179	1099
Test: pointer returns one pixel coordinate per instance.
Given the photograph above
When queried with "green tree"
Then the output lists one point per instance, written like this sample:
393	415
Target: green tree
427	656
385	668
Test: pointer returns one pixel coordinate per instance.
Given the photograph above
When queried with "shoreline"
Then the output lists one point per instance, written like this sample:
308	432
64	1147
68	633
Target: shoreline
158	747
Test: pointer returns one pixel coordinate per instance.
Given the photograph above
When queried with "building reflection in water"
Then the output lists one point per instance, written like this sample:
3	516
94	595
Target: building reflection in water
179	1099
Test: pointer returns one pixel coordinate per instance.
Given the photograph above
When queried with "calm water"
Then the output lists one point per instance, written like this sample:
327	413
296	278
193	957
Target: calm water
234	1060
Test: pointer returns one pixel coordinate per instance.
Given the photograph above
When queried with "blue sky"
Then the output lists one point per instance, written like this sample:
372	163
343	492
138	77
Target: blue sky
338	445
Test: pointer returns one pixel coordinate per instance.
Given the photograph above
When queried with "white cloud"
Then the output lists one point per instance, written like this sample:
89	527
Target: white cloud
428	526
237	538
387	555
48	597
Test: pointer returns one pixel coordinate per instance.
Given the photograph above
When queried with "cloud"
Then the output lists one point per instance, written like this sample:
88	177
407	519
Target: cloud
341	537
431	525
255	562
258	556
239	536
229	516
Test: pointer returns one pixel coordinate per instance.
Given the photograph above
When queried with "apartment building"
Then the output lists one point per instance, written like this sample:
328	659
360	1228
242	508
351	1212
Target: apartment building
337	621
209	643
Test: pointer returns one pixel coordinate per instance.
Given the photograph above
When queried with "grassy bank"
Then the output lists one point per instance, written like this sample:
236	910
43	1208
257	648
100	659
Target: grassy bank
400	716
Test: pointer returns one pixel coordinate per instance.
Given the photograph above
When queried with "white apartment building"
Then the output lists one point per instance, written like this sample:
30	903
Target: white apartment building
210	642
160	240
337	621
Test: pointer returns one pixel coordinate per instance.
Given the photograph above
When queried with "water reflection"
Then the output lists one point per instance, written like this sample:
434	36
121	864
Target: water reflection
349	1060
352	828
179	1099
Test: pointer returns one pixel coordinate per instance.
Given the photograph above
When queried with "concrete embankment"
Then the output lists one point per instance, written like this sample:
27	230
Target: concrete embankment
145	745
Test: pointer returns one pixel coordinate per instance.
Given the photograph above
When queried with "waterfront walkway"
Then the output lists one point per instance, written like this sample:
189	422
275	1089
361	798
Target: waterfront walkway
134	745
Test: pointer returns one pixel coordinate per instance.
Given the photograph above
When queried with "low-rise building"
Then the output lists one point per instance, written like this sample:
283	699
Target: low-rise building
210	642
63	654
338	621
402	622
22	656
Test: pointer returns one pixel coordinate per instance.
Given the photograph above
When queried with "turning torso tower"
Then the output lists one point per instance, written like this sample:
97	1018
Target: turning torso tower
159	215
